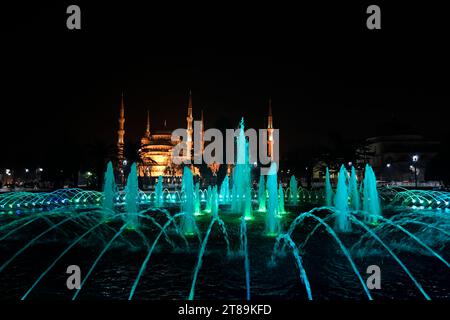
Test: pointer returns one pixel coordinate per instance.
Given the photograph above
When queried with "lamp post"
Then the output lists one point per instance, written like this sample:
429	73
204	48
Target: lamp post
388	166
415	159
39	174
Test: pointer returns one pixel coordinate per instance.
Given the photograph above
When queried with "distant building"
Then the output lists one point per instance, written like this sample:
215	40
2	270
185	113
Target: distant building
399	157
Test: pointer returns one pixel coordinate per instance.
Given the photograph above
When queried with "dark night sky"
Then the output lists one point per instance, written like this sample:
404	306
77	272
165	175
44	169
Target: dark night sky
326	73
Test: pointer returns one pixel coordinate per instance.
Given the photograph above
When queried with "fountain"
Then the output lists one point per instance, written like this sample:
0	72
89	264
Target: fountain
342	222
281	200
132	198
214	203
109	188
159	198
244	252
197	206
188	207
241	198
354	192
262	194
293	191
225	190
371	201
208	200
273	227
248	204
328	189
64	225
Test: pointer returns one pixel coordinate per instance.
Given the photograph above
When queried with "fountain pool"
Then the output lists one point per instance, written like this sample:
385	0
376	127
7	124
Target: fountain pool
225	256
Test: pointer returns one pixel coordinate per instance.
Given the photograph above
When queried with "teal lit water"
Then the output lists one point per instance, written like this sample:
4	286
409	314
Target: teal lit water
236	274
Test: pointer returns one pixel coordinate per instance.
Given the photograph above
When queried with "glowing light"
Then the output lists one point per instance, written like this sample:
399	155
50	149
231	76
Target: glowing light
272	234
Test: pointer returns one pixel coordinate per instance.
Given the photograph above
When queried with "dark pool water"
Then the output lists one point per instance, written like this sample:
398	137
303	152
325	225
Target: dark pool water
170	270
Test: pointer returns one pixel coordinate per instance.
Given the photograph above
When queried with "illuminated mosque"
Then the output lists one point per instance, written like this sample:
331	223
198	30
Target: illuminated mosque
155	152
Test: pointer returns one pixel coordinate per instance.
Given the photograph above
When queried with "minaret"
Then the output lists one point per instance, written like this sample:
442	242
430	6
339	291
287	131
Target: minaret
147	131
198	149
189	129
121	134
270	131
202	135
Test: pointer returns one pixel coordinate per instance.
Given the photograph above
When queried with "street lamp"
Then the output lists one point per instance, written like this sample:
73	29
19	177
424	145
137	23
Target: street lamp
415	159
389	176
